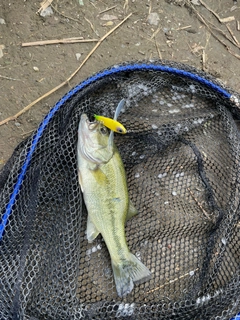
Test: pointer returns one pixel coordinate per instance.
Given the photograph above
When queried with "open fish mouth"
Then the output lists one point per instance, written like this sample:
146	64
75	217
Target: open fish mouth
89	146
85	124
92	125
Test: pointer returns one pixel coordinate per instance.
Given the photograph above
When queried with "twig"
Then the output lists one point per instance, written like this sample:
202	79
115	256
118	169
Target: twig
125	6
67	40
27	133
233	53
204	60
149	11
233	36
44	5
8	78
213	34
171	281
216	15
65	16
208	23
107	9
91	2
149	39
183	28
224	34
204	52
68	79
150	8
158	50
199	204
91	25
155	33
238	25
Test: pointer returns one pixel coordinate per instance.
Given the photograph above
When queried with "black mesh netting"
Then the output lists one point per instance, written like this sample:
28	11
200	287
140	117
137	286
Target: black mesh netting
181	156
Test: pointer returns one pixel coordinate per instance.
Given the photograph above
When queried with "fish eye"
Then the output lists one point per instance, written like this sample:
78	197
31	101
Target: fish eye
120	130
103	130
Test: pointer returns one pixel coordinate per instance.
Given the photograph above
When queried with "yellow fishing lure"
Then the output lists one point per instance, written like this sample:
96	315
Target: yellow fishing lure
113	124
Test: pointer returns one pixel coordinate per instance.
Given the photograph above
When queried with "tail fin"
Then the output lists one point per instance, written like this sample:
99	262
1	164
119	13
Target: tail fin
129	272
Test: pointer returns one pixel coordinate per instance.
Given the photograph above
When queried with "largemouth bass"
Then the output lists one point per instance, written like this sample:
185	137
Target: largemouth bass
103	183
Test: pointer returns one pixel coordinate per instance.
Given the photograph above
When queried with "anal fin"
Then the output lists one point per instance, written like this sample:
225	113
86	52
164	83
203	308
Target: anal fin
91	231
132	211
80	180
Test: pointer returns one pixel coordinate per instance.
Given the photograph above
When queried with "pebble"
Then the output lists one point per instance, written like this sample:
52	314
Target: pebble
108	17
36	69
1	50
47	12
2	21
78	56
196	2
107	24
153	18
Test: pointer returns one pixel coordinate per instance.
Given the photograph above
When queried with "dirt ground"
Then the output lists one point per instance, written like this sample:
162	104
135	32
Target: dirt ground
27	73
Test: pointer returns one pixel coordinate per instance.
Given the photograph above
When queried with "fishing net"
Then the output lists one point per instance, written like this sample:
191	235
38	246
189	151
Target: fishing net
181	156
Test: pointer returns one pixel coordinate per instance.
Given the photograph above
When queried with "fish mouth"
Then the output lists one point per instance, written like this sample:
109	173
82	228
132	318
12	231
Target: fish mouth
86	128
87	144
85	125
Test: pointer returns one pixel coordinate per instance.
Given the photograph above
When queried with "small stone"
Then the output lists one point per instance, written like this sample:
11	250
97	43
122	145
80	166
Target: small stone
78	56
195	2
2	21
108	17
35	69
107	24
47	12
1	50
153	18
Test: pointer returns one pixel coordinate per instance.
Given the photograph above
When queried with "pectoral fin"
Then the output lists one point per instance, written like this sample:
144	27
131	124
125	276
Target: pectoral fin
132	211
92	231
80	180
